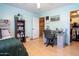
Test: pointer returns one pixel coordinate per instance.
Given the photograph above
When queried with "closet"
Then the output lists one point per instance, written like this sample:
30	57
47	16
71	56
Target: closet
74	25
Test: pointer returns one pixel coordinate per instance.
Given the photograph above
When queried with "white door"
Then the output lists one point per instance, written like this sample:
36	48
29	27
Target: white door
35	28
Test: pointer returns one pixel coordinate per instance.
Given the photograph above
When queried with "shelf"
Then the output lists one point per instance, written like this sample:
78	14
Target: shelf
74	13
20	29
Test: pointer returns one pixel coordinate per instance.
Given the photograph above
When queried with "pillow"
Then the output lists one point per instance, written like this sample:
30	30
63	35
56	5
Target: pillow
5	33
0	34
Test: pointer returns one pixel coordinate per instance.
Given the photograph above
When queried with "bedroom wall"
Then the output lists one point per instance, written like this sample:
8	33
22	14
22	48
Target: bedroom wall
8	12
64	22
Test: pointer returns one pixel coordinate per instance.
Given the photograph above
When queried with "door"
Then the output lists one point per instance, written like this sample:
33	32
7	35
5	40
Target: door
35	28
41	26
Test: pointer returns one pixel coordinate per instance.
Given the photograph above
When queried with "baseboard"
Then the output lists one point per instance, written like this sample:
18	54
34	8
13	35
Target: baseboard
27	37
34	38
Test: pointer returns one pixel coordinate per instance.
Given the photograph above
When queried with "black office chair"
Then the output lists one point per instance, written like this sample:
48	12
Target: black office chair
49	37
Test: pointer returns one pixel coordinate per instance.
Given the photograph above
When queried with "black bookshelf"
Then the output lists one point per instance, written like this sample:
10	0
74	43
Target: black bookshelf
20	30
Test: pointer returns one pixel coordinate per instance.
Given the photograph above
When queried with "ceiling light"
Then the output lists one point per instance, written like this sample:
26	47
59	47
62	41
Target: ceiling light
38	5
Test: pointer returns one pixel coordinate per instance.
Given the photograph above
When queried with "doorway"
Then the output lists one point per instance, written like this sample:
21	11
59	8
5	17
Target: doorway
35	28
74	25
41	26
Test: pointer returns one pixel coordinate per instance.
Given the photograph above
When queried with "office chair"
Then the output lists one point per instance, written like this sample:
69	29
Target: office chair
49	37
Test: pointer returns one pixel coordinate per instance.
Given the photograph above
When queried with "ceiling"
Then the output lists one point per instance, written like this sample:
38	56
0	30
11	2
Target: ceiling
32	7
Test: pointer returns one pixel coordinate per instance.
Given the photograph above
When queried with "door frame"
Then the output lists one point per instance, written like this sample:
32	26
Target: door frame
73	11
39	24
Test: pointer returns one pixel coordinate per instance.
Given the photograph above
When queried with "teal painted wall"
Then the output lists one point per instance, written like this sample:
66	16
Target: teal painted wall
8	12
64	21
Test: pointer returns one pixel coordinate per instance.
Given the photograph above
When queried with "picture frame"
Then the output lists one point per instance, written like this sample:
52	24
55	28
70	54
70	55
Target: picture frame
47	18
55	18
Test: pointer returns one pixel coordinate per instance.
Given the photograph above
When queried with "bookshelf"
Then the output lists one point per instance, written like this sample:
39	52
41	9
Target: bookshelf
20	30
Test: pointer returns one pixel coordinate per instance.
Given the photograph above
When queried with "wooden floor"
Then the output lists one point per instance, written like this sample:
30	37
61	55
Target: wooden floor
37	47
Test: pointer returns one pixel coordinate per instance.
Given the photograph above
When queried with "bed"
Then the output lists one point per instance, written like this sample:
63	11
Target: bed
10	46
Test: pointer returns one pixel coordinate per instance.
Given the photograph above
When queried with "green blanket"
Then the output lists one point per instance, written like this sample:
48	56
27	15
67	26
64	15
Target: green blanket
12	47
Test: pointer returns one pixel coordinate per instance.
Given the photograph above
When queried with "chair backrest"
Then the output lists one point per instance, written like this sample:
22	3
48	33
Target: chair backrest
48	34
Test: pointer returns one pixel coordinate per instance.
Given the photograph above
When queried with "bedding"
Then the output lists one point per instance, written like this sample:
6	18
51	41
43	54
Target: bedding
5	32
12	47
4	38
